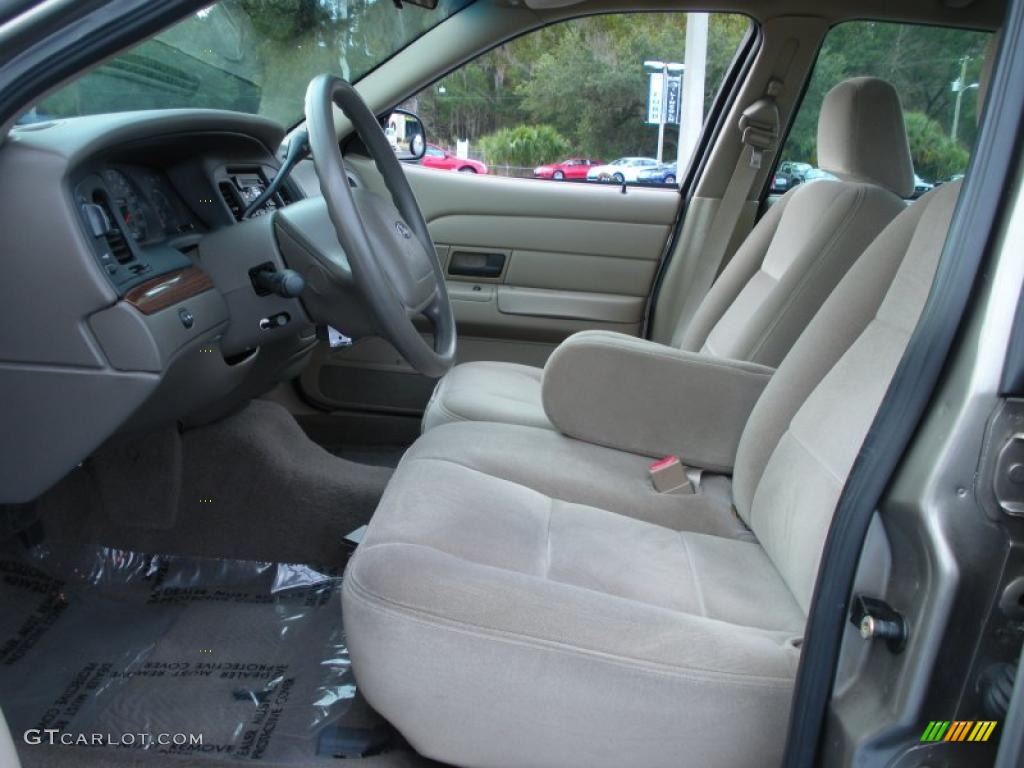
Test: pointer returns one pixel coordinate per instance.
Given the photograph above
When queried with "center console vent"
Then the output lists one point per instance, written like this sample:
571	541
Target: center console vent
233	199
114	236
241	186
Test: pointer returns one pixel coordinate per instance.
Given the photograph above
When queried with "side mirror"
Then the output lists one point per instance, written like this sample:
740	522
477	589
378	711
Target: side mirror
406	135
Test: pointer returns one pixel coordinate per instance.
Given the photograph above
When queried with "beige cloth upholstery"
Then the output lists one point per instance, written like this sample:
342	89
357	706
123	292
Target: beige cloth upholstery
514	613
779	276
500	626
646	398
861	136
786	268
564	468
486	391
798	449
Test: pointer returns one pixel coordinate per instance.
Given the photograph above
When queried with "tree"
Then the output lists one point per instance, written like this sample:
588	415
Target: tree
524	146
936	155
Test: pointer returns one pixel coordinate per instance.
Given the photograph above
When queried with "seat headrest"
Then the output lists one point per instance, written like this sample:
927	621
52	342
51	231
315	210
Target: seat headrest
862	137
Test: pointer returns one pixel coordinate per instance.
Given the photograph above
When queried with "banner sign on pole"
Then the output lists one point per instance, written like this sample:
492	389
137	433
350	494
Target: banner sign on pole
673	100
654	99
668	98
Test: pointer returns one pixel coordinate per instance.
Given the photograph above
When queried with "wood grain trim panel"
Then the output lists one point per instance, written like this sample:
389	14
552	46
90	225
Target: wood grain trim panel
167	290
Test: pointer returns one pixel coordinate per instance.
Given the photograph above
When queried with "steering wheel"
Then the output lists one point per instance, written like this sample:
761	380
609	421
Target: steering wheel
393	260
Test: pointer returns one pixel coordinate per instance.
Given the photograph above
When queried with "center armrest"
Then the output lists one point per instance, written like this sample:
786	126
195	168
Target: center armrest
638	396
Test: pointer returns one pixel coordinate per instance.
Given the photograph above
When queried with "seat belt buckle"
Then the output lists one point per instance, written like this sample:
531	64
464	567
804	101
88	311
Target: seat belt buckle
668	475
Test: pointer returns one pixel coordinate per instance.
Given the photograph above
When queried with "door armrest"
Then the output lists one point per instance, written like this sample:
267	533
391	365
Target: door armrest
638	396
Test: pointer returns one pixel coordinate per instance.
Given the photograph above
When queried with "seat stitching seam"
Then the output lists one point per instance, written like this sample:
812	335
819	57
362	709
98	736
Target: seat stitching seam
674	355
816	267
510	398
567	584
813	454
693	572
449	412
777	211
516	483
747	358
659	669
547	536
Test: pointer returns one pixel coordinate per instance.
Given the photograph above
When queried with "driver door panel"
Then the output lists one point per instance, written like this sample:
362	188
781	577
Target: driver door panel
528	263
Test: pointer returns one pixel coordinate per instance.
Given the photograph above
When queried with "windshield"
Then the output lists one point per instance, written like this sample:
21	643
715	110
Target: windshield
253	56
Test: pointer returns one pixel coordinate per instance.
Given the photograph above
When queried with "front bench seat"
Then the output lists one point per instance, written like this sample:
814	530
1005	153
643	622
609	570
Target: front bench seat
497	622
779	276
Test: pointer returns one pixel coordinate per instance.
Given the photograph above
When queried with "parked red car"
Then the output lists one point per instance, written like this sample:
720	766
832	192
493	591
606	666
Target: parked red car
573	168
436	157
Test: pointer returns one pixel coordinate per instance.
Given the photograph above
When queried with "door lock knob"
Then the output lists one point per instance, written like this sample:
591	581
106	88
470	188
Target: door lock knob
877	620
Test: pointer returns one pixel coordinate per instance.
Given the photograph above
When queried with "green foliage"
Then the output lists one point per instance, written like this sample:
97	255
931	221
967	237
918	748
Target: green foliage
936	155
524	146
591	84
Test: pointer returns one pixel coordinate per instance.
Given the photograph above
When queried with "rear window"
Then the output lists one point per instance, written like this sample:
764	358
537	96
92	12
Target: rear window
934	69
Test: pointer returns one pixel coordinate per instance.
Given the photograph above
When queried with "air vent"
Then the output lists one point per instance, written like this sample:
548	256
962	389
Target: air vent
231	197
114	236
119	246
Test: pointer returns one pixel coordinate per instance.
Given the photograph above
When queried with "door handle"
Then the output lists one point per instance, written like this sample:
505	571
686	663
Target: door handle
478	264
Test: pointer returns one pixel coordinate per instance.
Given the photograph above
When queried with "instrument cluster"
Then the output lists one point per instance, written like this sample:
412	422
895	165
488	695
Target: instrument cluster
147	204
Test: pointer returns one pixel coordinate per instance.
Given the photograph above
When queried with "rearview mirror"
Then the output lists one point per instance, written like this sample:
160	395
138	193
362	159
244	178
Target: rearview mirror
406	135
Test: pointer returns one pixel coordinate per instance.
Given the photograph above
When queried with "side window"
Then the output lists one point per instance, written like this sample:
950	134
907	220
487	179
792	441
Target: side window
934	69
566	102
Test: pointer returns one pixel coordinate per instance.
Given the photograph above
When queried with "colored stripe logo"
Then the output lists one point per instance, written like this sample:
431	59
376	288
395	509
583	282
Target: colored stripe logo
959	730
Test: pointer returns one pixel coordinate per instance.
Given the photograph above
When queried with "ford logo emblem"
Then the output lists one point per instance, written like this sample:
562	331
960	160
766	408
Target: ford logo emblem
403	230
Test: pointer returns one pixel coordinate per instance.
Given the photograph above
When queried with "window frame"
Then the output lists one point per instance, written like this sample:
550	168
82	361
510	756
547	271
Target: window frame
767	194
754	32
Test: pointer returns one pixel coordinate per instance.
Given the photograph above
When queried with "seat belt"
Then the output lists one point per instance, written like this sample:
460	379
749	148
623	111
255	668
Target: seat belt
759	132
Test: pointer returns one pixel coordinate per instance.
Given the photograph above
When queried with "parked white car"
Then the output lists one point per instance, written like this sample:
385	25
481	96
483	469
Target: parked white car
625	169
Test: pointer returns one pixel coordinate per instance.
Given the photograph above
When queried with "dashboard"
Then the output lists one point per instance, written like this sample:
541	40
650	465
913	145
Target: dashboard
130	301
146	208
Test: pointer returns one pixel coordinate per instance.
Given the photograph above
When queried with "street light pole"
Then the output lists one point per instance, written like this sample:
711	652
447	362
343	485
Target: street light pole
661	115
958	89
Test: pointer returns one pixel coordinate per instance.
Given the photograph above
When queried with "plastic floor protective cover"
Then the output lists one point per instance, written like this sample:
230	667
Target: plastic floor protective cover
251	656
